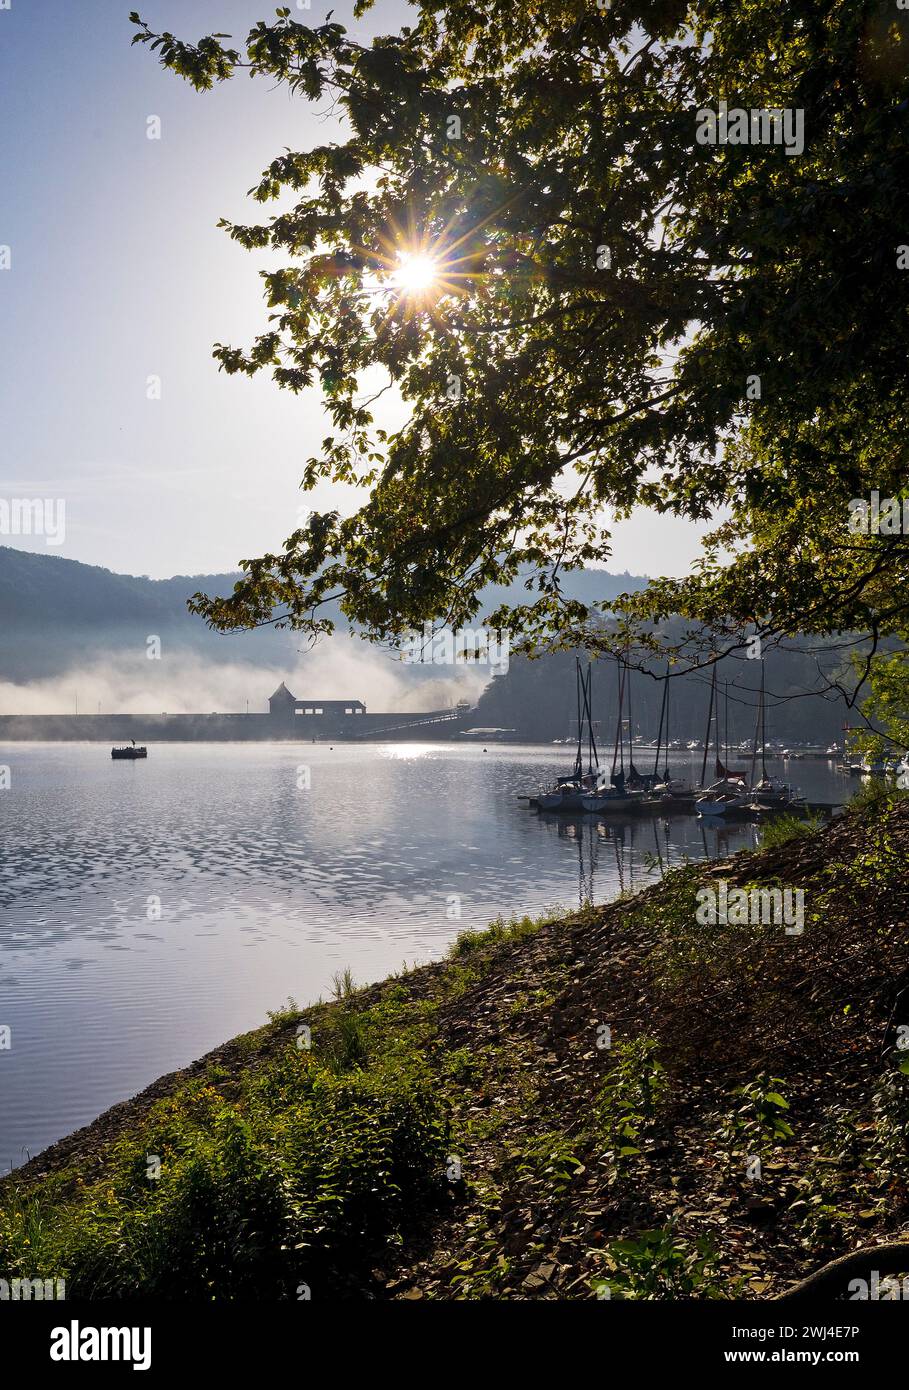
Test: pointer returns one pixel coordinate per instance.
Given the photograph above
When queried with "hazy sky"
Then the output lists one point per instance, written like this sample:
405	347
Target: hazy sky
118	272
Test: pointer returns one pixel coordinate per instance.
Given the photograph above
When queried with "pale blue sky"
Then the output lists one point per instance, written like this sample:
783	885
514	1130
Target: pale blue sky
119	272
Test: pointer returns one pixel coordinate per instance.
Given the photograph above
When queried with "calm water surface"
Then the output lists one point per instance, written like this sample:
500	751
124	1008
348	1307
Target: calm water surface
151	910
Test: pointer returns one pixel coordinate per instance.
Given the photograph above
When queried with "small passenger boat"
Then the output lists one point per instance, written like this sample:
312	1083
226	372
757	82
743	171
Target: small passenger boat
129	752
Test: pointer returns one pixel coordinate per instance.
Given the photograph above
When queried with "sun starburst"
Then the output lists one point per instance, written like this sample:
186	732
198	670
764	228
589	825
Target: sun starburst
416	272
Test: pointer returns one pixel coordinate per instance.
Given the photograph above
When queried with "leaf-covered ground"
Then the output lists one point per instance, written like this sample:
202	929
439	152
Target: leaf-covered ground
621	1103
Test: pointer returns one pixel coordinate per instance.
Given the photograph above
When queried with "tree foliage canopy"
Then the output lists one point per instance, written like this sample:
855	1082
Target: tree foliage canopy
608	290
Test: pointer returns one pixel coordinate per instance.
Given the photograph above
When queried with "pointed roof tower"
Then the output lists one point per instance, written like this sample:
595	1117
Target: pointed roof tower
281	701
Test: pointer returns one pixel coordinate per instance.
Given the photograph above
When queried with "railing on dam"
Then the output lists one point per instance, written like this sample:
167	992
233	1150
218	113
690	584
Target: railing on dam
416	721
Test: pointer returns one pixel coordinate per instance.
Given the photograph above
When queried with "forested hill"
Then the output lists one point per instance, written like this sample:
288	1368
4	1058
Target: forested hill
537	699
56	614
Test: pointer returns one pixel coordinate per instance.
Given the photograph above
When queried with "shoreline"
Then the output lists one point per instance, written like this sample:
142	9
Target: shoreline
537	1158
89	1139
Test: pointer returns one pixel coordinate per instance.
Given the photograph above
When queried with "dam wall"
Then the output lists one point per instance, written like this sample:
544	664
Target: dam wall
227	728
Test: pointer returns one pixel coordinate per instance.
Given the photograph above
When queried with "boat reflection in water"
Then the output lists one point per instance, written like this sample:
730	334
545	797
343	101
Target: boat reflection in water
632	853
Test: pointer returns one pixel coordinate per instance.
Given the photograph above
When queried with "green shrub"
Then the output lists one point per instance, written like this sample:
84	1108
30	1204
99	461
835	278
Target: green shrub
342	984
782	829
658	1264
630	1098
348	1041
881	861
550	1156
312	1170
502	929
890	1148
757	1123
877	796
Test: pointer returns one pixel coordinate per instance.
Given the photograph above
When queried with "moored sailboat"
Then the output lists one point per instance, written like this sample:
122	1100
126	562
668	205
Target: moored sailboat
568	793
667	794
622	794
726	796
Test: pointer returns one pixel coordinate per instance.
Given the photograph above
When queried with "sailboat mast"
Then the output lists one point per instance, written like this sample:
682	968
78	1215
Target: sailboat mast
656	761
587	716
592	756
630	725
619	749
578	757
709	721
763	726
757	725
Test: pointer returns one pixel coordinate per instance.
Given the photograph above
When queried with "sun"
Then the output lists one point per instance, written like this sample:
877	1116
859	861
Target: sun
415	272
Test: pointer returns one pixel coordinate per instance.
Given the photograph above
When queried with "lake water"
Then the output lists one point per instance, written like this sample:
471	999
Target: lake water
151	910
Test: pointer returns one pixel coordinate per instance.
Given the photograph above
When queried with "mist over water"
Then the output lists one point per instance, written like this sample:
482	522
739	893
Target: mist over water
150	911
184	681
